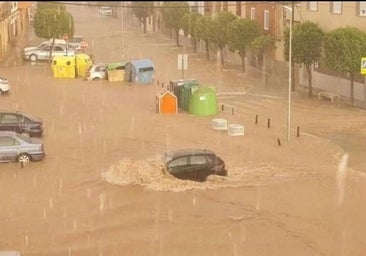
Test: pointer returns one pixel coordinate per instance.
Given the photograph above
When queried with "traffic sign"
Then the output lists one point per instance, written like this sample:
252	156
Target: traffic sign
83	45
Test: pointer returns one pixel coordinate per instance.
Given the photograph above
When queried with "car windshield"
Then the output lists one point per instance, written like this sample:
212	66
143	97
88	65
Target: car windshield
25	138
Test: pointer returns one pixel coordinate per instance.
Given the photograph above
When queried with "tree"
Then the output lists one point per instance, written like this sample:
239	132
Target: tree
142	10
172	13
262	46
188	22
343	48
52	21
307	43
219	30
202	25
241	33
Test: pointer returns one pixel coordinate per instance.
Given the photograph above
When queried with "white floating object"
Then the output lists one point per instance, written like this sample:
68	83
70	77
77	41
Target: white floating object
236	130
219	124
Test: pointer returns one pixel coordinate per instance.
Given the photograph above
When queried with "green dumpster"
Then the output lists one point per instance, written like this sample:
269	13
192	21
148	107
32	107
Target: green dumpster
175	86
116	71
185	94
203	102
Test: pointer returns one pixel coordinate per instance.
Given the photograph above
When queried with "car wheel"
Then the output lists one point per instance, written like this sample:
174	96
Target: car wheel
33	57
95	78
24	158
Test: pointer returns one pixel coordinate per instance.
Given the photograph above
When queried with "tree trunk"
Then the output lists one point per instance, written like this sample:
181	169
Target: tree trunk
144	24
50	56
352	89
222	55
194	43
207	49
177	35
242	56
310	83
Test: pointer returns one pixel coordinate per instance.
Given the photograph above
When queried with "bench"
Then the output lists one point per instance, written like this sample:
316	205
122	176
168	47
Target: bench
333	97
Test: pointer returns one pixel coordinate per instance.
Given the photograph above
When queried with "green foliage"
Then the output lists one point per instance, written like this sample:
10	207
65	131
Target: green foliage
307	42
343	49
241	33
202	25
188	23
173	12
218	31
142	10
263	44
52	21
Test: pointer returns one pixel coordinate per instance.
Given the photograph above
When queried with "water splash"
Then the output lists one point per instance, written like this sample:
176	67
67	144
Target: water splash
341	178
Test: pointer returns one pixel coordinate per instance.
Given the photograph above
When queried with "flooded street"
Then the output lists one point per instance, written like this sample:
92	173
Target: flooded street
101	191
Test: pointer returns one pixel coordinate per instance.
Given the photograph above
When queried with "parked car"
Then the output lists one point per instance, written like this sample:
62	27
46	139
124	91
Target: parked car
21	123
77	42
44	43
193	164
16	147
44	52
4	86
96	71
105	11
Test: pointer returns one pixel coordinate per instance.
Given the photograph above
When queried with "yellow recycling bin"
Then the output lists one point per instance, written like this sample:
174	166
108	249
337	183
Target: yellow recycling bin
83	62
63	67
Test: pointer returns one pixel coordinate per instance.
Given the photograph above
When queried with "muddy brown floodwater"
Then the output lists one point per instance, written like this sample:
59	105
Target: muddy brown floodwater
100	191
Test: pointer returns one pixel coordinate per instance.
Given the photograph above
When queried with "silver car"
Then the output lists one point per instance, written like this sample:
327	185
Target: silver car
44	52
4	86
15	147
105	11
96	71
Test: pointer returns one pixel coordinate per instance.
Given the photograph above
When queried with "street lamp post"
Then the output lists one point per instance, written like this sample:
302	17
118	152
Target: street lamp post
289	77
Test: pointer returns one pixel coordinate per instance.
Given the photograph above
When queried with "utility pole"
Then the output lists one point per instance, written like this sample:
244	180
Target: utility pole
293	62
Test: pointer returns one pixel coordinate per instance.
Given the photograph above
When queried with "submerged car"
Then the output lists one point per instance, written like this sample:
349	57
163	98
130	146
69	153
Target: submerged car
16	147
44	52
21	123
96	71
4	86
193	164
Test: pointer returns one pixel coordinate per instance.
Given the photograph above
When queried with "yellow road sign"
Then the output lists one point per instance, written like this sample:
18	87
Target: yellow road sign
363	66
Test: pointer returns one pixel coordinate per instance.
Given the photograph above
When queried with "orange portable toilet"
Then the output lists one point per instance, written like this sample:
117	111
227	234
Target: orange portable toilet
166	102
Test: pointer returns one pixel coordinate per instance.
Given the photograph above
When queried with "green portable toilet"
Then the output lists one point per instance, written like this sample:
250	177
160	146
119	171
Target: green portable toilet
185	94
203	102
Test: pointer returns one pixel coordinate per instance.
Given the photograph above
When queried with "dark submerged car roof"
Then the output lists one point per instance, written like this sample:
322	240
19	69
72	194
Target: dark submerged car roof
169	155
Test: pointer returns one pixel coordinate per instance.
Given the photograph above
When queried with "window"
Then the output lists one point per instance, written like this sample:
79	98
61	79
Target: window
238	8
58	49
198	160
336	7
225	6
146	69
47	48
8	141
9	119
182	161
362	8
266	20
313	5
252	13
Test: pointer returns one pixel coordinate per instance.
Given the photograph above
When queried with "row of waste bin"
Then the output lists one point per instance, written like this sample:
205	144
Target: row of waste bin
193	97
70	66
